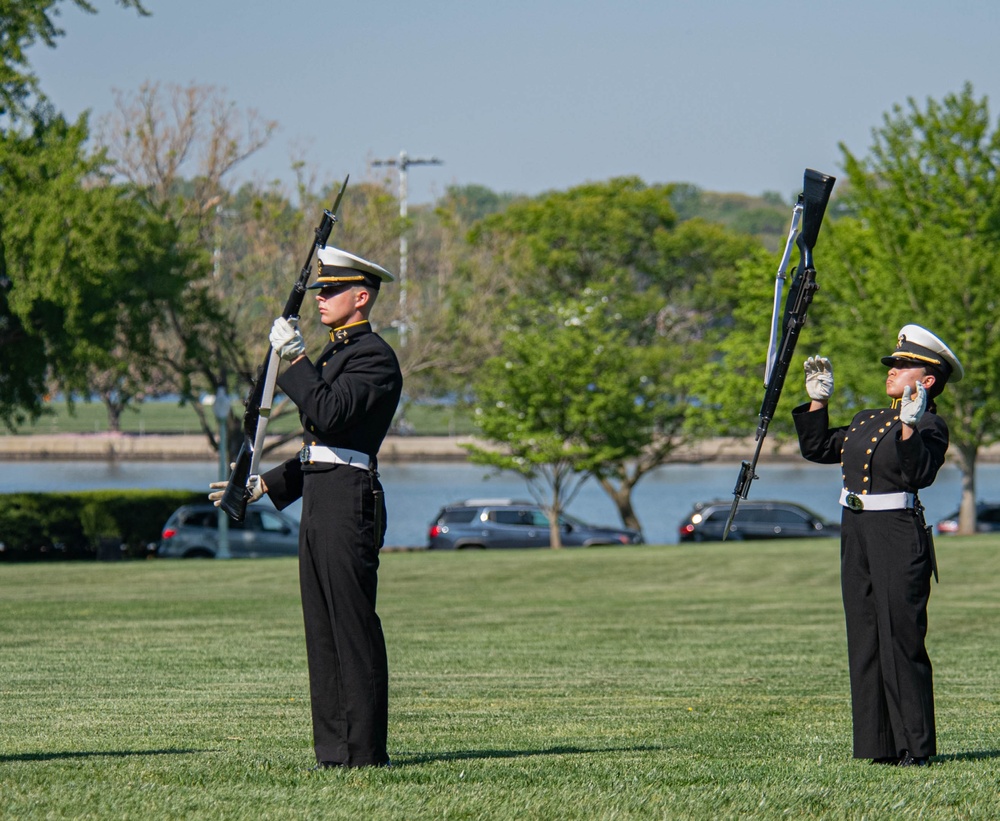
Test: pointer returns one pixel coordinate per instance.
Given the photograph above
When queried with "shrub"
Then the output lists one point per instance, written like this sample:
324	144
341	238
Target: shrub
85	524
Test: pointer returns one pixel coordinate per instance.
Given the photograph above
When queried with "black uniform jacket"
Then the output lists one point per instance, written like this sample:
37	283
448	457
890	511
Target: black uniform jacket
873	456
346	399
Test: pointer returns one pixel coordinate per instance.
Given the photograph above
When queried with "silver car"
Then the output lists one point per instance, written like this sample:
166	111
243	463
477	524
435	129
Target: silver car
192	532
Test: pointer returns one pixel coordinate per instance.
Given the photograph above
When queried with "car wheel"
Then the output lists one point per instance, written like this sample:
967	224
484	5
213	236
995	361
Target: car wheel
471	547
199	553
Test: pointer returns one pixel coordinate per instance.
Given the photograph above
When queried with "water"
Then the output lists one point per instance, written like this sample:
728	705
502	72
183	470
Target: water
416	491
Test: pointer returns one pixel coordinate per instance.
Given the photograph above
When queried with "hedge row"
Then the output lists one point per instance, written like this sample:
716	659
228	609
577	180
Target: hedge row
102	524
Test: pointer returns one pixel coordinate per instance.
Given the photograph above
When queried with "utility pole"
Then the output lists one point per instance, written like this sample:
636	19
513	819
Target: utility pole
221	409
403	162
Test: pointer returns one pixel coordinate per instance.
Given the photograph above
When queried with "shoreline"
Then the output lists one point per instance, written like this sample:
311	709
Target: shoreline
110	447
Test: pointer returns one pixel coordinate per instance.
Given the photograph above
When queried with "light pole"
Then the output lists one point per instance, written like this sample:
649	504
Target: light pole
221	410
403	162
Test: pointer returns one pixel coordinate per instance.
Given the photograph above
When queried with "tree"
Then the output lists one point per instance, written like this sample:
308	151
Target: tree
24	113
90	265
179	146
609	258
558	404
585	389
23	364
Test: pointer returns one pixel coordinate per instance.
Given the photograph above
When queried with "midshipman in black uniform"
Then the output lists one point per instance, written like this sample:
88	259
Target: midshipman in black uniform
347	398
886	455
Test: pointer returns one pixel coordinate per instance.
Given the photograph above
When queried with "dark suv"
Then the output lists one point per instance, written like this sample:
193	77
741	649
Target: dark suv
987	520
482	523
192	532
754	520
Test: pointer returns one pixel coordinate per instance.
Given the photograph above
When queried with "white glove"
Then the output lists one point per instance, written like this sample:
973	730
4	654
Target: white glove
910	410
254	485
819	378
286	338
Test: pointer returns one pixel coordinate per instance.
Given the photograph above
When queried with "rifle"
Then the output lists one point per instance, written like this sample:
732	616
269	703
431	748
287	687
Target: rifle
810	208
258	403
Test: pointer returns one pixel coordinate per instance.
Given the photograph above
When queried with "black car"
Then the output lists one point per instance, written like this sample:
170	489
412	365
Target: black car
987	520
754	520
482	523
192	532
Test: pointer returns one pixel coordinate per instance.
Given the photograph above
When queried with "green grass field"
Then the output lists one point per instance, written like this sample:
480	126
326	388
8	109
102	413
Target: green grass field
698	682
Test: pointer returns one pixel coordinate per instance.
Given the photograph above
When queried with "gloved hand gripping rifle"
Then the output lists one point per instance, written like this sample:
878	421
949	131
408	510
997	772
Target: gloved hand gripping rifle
258	403
810	208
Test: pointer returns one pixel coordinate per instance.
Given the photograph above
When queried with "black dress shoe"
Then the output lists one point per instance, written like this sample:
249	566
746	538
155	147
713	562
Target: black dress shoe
892	760
326	765
913	761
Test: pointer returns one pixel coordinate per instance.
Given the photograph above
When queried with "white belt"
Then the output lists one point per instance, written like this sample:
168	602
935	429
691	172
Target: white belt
876	501
338	456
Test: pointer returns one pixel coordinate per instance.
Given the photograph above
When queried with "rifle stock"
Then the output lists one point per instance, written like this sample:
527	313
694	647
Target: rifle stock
816	192
258	403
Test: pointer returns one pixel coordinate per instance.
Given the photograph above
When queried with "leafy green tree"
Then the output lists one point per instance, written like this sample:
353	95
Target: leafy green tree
571	396
614	254
23	114
473	202
23	364
543	249
90	265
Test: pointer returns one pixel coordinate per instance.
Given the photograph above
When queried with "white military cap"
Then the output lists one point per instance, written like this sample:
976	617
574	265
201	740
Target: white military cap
335	267
917	346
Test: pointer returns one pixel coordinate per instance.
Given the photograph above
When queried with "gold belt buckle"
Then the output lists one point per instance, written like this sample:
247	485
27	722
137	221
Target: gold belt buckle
854	502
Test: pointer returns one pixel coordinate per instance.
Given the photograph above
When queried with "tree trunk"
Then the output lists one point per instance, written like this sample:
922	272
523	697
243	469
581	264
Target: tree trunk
114	409
555	536
622	497
967	509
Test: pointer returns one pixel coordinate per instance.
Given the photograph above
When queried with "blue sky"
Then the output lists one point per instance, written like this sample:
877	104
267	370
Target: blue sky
532	96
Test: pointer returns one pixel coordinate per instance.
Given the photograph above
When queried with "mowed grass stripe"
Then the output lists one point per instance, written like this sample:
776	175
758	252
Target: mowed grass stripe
702	681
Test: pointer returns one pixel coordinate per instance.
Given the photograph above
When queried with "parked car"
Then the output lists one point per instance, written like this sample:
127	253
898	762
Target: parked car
987	520
192	532
482	523
754	520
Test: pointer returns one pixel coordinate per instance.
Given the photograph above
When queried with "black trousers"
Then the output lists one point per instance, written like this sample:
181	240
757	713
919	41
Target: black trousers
885	578
341	532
